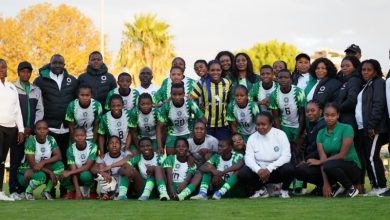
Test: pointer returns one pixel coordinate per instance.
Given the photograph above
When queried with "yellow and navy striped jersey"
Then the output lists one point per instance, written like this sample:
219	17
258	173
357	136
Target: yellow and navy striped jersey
214	96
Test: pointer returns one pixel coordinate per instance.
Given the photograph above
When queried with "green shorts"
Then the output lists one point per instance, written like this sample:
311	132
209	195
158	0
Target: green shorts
171	139
155	146
292	133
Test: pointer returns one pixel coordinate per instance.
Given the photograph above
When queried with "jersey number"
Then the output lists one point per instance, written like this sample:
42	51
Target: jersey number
147	129
175	176
120	134
287	110
179	123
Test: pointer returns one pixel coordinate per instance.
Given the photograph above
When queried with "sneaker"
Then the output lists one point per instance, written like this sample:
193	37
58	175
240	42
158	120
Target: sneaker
122	197
143	198
29	196
22	195
262	193
200	196
284	194
299	191
15	196
373	192
276	190
85	191
316	192
352	192
4	197
217	195
387	193
381	190
164	197
46	195
69	195
337	190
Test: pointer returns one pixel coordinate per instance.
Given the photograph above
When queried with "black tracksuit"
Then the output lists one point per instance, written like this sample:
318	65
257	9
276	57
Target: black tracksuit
327	90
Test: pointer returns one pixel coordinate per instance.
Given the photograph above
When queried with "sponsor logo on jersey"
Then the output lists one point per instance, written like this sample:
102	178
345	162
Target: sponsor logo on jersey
103	78
322	88
68	81
276	149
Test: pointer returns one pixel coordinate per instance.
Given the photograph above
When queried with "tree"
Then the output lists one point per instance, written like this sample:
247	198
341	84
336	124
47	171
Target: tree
271	51
146	42
43	30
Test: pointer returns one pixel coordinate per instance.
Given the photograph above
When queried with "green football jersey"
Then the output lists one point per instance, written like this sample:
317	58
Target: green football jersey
110	126
179	170
245	117
179	120
221	165
258	93
146	123
80	157
40	151
84	117
129	102
164	93
139	162
288	104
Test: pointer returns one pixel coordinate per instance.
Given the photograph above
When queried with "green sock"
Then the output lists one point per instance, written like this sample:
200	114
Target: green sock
33	184
123	185
187	191
298	184
49	186
149	185
228	184
162	189
204	185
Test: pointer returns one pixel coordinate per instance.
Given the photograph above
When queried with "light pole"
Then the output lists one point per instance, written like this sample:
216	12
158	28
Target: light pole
102	27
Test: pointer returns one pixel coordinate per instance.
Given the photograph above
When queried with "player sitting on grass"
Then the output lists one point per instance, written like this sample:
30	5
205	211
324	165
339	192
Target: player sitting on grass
221	169
143	171
115	122
179	169
42	162
178	116
107	168
129	96
81	157
143	122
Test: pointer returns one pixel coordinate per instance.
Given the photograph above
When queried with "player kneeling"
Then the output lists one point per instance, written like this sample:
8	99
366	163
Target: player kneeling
221	170
81	157
143	171
107	169
42	162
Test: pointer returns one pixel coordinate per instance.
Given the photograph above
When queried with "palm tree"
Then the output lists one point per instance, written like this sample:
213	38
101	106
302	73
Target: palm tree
146	42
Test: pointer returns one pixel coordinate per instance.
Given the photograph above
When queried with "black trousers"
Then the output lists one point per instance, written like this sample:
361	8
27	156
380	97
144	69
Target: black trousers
16	156
63	143
284	174
374	164
7	139
344	172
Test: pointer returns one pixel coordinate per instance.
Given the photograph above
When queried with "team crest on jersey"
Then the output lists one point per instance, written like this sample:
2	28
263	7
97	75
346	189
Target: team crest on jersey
276	149
146	119
43	150
85	114
179	113
286	99
82	156
322	88
242	114
177	166
125	102
119	123
225	167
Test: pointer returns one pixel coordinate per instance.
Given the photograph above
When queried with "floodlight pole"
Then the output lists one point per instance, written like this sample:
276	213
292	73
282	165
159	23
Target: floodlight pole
102	27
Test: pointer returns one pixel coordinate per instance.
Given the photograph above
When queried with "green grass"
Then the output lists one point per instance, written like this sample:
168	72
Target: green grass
273	208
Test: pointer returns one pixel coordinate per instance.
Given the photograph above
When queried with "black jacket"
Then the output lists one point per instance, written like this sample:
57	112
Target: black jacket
374	106
295	77
347	98
101	82
312	130
327	90
56	101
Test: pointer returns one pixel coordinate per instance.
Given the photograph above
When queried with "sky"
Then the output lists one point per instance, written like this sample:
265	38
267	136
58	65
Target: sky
202	28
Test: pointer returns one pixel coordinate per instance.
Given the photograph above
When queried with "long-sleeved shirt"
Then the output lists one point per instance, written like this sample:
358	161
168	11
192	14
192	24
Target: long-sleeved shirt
10	114
269	151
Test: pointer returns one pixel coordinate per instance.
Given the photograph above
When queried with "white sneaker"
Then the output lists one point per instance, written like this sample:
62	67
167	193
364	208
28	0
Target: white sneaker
262	193
200	196
22	195
4	197
85	191
380	191
284	194
15	196
373	192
